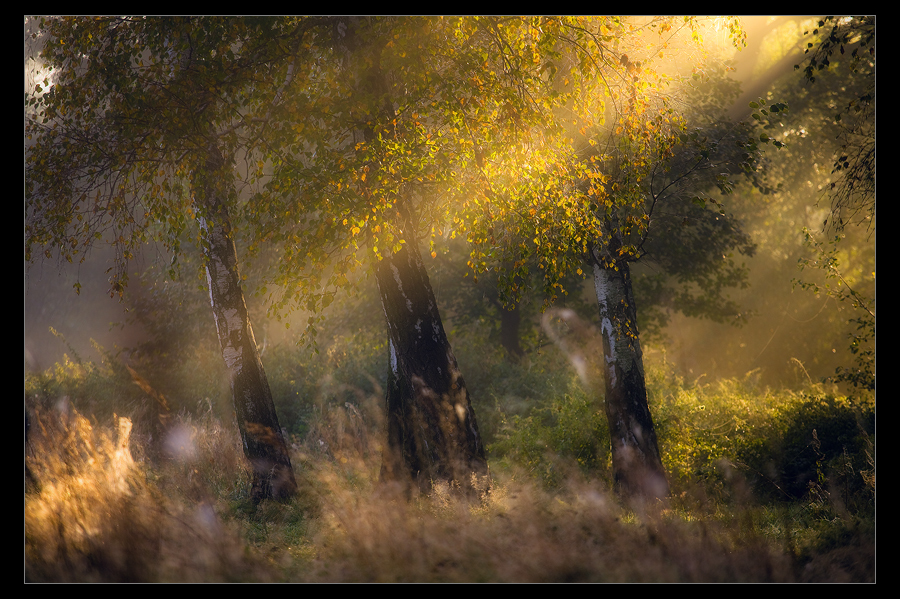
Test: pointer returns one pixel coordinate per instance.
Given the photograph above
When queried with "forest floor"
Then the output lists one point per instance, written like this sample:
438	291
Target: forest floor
99	509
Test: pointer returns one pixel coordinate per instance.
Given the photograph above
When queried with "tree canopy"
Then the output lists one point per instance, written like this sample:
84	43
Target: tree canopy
516	133
127	105
524	135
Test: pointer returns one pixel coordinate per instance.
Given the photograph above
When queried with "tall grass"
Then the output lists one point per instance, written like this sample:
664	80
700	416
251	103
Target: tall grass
768	485
95	513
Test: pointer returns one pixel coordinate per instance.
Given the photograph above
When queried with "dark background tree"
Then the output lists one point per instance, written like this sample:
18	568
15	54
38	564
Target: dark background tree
849	42
786	328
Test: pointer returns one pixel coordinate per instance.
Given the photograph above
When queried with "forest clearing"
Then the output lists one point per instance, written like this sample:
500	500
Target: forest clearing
449	299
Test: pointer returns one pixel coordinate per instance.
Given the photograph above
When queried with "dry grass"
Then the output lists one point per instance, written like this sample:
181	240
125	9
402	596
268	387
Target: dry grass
518	532
514	531
93	513
96	511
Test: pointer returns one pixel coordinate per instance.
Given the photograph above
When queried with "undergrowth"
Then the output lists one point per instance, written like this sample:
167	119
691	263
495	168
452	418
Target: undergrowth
767	485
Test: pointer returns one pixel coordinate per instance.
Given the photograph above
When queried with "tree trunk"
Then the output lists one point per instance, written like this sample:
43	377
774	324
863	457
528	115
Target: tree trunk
261	435
432	431
637	466
510	317
510	321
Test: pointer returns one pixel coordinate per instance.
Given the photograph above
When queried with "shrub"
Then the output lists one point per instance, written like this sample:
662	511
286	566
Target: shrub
818	439
569	433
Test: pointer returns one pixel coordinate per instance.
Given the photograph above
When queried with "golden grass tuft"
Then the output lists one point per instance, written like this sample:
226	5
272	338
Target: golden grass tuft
95	514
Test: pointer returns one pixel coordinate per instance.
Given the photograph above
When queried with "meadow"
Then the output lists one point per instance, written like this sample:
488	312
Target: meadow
768	485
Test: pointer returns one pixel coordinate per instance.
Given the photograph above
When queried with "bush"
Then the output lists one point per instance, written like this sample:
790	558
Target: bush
780	441
569	433
817	440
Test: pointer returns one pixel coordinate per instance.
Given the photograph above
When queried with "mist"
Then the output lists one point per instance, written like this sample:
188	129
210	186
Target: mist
768	456
771	345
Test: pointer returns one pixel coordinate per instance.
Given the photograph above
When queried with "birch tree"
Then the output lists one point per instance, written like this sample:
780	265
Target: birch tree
132	137
372	161
589	189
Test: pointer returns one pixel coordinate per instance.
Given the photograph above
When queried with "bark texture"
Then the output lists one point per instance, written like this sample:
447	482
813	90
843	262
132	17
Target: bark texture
636	460
261	435
432	431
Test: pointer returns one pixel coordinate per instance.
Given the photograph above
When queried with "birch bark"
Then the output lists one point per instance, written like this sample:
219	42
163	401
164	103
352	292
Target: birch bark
637	465
261	435
432	431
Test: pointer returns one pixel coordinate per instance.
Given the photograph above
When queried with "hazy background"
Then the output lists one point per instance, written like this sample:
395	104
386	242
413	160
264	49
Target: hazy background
790	334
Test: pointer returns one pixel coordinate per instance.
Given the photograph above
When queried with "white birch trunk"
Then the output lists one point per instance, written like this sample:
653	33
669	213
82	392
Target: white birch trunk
636	461
261	435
